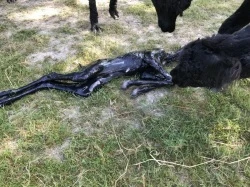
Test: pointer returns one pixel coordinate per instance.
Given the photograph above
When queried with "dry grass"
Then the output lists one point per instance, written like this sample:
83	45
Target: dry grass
169	137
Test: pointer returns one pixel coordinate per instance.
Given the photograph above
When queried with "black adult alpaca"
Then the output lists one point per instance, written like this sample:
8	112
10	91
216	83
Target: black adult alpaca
84	82
169	10
214	61
94	13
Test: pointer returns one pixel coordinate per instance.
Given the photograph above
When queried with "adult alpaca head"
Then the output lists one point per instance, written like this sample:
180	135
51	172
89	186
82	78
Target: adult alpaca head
167	12
214	61
202	66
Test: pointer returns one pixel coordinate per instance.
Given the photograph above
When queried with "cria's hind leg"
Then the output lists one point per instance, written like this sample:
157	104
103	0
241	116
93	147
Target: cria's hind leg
144	85
43	79
81	77
78	89
149	75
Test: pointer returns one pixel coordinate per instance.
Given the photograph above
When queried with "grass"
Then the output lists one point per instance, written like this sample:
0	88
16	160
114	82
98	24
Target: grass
57	139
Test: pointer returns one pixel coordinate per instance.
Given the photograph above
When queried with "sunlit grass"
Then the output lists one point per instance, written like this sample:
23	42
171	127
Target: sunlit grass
53	138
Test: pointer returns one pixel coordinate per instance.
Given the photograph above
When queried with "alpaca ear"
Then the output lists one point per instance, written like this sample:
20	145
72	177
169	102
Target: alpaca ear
211	44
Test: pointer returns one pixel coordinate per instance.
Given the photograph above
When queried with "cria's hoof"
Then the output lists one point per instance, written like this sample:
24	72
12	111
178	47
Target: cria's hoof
125	84
135	93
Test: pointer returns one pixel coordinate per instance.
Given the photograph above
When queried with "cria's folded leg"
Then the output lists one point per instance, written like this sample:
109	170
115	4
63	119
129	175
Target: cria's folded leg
149	75
144	89
103	80
129	83
157	67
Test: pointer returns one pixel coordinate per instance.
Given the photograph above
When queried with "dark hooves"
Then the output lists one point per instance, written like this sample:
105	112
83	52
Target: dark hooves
11	1
125	84
114	14
96	28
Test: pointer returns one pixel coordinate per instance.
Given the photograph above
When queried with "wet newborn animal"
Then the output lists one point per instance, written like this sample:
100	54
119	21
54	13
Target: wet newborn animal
145	63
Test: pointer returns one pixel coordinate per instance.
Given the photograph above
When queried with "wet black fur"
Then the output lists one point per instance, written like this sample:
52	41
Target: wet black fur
147	64
213	62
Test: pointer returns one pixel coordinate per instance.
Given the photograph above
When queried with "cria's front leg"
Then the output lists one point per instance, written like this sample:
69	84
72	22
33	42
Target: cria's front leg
144	86
128	83
157	67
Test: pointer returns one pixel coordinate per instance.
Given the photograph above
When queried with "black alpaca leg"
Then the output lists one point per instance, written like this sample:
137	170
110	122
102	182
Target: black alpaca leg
11	1
94	16
113	9
78	89
237	20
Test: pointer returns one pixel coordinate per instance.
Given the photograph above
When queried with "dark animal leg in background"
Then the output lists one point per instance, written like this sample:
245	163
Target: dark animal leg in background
238	20
94	16
11	1
113	9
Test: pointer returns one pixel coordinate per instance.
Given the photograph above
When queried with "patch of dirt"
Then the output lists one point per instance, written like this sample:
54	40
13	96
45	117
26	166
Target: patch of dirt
57	152
8	145
47	18
148	102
